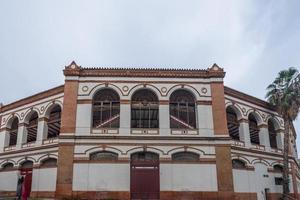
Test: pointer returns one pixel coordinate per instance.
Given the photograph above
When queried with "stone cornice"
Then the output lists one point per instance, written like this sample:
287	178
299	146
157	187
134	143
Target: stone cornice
33	98
245	97
213	72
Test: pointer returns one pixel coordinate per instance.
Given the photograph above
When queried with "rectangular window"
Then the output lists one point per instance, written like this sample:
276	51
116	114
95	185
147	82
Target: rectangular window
278	181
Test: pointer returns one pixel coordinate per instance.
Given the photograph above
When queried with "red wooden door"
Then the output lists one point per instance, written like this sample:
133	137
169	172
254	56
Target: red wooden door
144	182
26	189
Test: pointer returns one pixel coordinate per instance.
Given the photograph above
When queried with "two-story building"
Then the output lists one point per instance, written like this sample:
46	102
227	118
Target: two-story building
136	133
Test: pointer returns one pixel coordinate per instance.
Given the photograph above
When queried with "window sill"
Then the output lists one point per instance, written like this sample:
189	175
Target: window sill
50	140
10	148
184	131
105	131
144	131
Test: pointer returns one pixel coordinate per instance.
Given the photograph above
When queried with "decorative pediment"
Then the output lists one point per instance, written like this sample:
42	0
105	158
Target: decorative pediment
215	68
73	66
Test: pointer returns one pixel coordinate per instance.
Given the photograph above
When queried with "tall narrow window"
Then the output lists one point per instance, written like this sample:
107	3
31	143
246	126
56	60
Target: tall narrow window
272	134
254	130
106	109
13	133
232	123
182	110
54	122
32	127
144	109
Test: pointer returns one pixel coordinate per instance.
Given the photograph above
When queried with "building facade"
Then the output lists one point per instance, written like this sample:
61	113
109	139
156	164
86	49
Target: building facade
144	134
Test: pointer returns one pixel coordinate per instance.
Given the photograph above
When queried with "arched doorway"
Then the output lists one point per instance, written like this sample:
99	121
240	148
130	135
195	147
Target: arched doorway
144	176
26	172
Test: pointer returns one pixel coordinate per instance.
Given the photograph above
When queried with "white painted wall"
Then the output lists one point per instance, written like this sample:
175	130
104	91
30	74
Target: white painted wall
188	177
83	119
101	177
255	181
44	179
116	177
8	180
205	120
244	181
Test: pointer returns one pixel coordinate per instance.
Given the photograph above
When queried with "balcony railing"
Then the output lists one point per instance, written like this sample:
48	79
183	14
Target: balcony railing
51	140
10	148
238	143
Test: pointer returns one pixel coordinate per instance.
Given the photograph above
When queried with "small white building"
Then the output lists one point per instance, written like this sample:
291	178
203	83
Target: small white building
120	133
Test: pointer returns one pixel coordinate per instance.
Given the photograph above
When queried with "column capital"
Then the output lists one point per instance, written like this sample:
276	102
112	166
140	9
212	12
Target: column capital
262	126
43	119
243	120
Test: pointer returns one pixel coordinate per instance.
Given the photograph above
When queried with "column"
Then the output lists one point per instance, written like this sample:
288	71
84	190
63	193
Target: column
64	180
205	119
279	138
223	153
22	135
264	136
244	132
4	138
125	119
164	118
84	117
42	131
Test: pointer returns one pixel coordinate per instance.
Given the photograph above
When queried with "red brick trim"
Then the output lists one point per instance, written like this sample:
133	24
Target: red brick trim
140	72
245	97
33	98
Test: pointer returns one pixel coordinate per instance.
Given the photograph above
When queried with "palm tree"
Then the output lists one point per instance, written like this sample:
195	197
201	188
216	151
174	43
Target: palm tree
284	94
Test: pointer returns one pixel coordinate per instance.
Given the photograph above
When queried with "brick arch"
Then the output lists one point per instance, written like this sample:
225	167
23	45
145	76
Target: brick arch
261	161
150	87
189	88
257	116
187	149
235	108
30	112
100	86
10	119
242	158
50	106
100	148
45	157
22	160
148	149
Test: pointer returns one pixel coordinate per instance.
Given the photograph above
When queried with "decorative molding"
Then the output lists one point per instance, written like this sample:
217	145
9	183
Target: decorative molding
33	98
74	70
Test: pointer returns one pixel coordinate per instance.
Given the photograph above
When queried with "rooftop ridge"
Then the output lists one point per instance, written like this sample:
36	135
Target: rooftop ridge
143	68
212	72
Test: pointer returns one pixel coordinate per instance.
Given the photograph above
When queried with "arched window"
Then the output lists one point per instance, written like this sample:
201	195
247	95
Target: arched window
7	166
272	134
54	122
32	127
185	157
13	132
232	123
253	129
144	156
144	109
182	110
106	109
278	168
27	164
104	156
49	162
238	164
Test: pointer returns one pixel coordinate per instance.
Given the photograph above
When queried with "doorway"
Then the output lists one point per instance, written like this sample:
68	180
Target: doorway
144	176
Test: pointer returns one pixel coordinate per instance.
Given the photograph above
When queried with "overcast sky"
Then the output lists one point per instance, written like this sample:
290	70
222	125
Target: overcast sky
252	40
